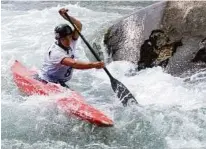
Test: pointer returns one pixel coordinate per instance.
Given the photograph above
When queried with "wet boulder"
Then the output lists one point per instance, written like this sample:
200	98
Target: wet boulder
167	34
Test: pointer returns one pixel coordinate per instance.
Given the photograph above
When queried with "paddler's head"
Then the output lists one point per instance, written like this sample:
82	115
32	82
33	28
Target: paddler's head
63	33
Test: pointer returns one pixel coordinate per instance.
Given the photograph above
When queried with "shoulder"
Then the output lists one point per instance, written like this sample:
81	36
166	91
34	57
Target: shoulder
56	51
55	48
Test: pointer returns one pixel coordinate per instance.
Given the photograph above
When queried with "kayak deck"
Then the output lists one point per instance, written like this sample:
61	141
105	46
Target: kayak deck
74	104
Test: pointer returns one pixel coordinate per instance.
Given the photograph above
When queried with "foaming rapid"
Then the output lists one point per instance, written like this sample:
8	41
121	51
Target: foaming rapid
172	110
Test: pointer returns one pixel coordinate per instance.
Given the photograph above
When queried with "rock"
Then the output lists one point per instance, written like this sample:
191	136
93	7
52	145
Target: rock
165	34
201	54
124	39
157	50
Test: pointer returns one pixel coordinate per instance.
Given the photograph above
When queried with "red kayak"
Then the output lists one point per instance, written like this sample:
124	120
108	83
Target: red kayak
74	104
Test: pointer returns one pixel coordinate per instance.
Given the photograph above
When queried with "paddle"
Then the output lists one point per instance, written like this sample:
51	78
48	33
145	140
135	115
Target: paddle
122	92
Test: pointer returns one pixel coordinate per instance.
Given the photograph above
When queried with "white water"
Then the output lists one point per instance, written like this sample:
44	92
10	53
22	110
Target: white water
172	112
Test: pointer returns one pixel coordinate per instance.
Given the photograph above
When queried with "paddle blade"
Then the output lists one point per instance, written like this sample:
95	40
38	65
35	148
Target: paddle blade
122	92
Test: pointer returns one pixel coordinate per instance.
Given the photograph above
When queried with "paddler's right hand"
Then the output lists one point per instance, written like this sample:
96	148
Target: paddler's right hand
98	65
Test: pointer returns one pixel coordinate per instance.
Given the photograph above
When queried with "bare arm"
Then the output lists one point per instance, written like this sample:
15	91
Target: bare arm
79	27
74	20
81	65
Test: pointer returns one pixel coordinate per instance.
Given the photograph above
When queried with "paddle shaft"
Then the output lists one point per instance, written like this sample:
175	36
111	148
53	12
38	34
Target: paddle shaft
88	45
122	92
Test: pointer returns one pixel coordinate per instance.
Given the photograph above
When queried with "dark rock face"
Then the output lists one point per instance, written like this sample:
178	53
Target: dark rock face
167	34
201	54
157	50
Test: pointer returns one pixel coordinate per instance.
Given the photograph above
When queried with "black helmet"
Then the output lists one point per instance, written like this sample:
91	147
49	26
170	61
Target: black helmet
62	30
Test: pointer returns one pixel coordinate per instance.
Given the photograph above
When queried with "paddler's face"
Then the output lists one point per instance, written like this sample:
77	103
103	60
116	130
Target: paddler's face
67	40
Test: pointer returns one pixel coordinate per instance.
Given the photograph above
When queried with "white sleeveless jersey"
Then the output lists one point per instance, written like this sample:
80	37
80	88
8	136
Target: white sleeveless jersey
52	70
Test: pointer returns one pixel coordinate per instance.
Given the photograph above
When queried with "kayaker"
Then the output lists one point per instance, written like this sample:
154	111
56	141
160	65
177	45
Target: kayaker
59	59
